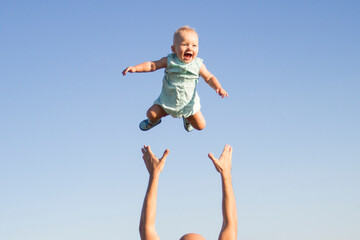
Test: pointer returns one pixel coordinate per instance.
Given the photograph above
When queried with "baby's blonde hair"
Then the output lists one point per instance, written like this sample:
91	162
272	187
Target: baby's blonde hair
185	28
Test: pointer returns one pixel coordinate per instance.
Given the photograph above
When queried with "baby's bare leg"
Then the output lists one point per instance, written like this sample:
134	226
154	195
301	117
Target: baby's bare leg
197	121
155	112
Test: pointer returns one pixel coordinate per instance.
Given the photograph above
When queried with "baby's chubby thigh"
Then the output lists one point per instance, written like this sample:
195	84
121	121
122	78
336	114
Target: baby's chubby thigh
155	112
197	120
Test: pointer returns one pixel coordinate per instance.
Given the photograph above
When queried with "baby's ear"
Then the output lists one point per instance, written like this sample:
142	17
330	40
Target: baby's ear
173	48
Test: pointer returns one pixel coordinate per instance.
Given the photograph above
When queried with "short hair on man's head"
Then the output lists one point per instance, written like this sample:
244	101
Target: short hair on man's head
192	236
185	28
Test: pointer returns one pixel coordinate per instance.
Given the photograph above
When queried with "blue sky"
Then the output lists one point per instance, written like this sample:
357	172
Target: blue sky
70	159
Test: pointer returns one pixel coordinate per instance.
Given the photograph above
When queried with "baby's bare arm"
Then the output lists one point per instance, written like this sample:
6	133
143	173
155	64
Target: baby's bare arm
212	81
147	66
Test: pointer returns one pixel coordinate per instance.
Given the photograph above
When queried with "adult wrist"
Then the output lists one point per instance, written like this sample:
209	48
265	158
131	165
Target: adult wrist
226	177
155	175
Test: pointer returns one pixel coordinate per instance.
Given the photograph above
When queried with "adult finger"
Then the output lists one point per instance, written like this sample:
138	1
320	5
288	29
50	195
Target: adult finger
148	150
225	150
144	151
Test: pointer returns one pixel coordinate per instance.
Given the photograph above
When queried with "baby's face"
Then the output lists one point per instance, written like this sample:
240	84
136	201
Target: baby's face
186	46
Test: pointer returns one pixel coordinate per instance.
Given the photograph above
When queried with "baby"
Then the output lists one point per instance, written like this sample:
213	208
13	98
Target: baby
178	97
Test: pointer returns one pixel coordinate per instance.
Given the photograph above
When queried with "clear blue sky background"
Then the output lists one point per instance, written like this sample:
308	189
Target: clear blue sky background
70	159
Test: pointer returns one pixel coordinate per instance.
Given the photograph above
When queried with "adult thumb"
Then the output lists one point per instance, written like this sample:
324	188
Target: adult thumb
211	156
166	153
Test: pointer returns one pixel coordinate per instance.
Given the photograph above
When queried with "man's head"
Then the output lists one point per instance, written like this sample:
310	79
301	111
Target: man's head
185	44
192	236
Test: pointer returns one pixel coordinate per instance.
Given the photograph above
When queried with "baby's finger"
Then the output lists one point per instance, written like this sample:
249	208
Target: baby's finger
128	69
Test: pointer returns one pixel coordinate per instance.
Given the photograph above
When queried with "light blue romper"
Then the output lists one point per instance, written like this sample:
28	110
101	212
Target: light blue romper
178	95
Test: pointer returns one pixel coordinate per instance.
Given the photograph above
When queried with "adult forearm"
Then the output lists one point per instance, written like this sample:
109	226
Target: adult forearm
228	209
148	213
229	203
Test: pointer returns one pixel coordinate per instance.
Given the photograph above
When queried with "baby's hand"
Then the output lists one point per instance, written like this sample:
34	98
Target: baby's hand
222	92
129	69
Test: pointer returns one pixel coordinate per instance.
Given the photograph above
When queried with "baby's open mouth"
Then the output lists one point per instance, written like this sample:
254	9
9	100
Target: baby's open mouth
188	56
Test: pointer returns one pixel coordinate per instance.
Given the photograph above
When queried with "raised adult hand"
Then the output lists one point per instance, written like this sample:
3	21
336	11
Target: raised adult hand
153	164
223	164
